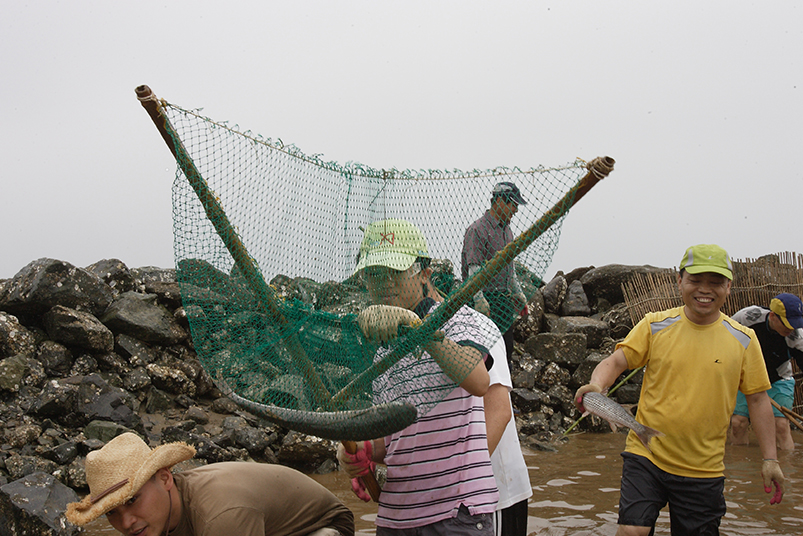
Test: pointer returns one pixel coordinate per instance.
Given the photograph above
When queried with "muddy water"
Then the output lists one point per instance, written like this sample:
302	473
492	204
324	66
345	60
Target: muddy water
576	492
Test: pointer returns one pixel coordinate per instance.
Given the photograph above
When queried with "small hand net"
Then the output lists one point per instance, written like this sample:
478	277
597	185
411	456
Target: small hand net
267	240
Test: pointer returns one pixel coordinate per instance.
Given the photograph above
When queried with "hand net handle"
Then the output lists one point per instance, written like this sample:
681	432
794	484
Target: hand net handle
228	235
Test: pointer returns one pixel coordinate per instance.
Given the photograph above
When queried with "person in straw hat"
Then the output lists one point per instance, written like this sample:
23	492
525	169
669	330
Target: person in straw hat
134	487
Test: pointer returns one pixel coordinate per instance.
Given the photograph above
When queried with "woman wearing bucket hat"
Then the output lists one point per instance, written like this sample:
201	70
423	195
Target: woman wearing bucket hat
134	487
439	474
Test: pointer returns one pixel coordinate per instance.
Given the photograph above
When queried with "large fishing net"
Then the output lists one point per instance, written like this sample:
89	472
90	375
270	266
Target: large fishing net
267	239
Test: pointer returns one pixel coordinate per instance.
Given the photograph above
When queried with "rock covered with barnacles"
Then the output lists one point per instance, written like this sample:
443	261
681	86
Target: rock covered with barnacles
89	353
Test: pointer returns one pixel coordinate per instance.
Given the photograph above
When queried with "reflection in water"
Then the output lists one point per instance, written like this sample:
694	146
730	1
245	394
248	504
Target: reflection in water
576	492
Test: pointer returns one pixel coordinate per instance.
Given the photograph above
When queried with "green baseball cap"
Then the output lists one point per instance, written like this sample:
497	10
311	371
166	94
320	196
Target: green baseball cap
707	258
392	243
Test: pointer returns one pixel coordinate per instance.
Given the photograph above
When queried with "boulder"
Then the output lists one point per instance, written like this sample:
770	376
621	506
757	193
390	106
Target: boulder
45	283
35	505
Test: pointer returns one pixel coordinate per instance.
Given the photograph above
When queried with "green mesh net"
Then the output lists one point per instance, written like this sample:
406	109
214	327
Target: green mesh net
267	240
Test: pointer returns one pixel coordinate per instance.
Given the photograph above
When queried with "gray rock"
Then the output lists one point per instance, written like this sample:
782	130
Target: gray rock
84	365
254	440
531	323
137	352
224	406
532	424
62	454
561	398
206	449
21	466
235	423
141	317
168	292
98	400
594	330
171	380
528	400
55	357
113	362
45	283
12	373
36	376
197	414
114	273
305	451
523	379
15	339
157	401
148	274
23	435
566	349
57	400
75	475
35	506
619	321
137	380
606	281
553	374
582	374
77	328
575	303
553	293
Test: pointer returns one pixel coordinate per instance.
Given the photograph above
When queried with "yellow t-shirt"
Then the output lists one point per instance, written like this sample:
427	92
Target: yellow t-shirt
689	390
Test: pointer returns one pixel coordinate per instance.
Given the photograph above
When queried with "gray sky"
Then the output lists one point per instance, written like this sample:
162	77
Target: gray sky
700	103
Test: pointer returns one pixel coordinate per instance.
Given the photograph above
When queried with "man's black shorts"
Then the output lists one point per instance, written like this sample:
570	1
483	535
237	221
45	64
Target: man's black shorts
696	505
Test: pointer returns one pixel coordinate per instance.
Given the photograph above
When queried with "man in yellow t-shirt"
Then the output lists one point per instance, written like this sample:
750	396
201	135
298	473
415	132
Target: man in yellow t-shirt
696	359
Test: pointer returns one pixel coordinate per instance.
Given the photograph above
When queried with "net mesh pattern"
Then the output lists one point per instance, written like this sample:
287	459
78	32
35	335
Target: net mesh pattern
277	326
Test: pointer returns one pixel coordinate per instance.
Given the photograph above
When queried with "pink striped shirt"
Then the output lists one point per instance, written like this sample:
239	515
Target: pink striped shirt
441	460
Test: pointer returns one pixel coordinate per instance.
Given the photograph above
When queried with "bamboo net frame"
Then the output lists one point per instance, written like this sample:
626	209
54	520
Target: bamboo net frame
755	282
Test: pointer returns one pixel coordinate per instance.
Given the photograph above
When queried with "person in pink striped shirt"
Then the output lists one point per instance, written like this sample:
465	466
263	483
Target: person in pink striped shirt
439	474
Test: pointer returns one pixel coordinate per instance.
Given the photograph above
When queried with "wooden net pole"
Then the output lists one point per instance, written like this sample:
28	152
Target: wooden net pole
224	228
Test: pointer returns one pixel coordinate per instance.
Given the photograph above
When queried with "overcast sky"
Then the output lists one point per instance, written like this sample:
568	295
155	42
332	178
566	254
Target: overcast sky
700	103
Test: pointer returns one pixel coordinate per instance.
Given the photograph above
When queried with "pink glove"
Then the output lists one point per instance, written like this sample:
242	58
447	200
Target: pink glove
358	487
772	474
357	465
587	388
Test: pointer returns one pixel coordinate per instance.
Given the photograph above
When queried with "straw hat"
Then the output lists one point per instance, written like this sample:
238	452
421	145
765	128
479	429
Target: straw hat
116	472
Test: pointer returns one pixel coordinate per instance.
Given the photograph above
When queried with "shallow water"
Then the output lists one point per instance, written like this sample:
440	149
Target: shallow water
576	492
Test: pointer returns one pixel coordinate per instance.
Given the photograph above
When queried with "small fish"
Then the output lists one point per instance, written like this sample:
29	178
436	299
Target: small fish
602	406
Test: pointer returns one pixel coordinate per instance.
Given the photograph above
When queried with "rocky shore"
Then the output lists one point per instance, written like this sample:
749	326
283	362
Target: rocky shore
86	353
